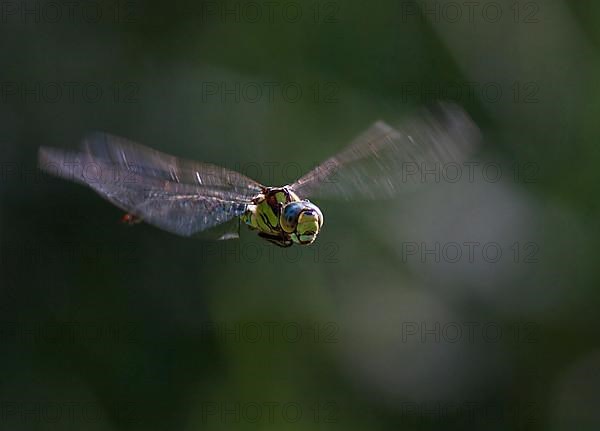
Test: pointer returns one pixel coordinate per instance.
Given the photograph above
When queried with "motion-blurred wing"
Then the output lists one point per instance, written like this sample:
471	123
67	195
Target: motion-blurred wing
222	232
147	162
385	161
176	195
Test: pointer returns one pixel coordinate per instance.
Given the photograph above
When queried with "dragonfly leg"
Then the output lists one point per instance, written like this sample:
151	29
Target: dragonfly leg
276	239
130	219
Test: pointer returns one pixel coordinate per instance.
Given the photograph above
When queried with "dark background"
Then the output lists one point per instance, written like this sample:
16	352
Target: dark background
380	325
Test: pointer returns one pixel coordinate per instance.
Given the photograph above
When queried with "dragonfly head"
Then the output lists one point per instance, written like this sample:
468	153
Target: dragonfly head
302	220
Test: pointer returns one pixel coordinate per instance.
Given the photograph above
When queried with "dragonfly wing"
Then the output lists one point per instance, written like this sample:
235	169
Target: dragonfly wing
187	215
142	189
147	162
385	161
223	232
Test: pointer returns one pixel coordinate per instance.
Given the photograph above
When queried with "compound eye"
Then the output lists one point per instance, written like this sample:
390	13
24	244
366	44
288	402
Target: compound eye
308	225
314	211
307	239
289	216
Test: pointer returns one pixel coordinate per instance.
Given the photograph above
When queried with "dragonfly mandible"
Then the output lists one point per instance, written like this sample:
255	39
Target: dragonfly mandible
186	197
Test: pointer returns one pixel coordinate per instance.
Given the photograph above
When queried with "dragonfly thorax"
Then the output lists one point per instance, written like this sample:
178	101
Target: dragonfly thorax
283	218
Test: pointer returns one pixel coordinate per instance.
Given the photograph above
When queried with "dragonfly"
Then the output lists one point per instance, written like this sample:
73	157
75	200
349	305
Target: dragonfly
186	197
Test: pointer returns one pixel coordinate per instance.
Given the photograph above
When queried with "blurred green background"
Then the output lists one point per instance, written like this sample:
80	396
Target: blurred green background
380	325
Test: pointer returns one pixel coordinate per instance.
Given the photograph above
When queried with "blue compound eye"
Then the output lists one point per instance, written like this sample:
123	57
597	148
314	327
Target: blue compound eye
292	210
289	216
314	211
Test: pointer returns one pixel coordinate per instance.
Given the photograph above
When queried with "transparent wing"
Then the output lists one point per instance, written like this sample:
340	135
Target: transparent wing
147	162
176	195
223	232
384	161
